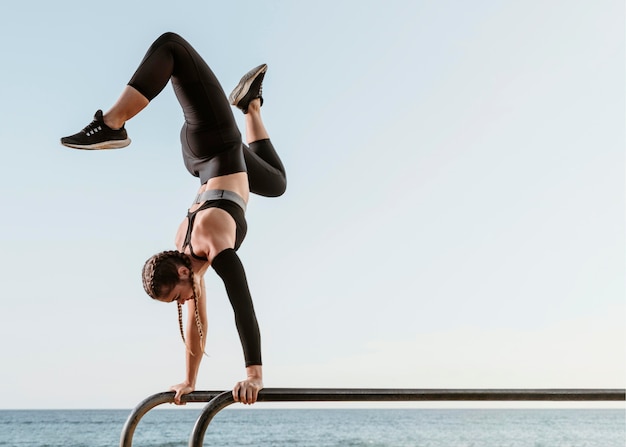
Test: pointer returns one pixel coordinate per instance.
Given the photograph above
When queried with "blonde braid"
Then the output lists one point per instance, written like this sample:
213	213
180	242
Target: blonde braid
196	313
198	322
180	322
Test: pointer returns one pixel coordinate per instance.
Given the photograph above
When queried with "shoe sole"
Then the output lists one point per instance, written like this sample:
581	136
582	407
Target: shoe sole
244	85
112	144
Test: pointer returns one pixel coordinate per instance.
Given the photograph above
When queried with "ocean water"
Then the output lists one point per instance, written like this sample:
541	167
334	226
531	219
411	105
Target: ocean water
322	428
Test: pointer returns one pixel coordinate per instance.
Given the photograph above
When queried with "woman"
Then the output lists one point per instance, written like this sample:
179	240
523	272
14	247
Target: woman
215	225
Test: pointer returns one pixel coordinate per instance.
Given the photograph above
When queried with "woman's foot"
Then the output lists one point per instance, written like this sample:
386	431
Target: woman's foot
250	87
97	135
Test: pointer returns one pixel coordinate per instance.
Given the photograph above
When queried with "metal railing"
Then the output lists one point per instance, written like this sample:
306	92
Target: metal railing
218	400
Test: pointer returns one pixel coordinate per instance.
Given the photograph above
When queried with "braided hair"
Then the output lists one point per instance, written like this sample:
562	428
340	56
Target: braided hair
160	276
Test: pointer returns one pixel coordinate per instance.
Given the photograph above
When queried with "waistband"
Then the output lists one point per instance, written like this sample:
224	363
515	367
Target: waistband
216	194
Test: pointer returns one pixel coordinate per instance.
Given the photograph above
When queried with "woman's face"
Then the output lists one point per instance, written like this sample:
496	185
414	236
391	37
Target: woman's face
183	291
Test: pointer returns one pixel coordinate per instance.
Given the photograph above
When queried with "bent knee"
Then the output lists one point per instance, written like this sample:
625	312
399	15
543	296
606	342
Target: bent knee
168	36
276	188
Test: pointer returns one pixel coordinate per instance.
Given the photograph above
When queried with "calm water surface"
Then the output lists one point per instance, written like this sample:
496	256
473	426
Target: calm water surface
321	428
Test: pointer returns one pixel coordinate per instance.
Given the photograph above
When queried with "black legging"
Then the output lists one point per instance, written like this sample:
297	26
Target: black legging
211	141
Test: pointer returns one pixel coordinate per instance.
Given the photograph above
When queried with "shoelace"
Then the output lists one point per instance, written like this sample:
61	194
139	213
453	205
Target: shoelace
92	128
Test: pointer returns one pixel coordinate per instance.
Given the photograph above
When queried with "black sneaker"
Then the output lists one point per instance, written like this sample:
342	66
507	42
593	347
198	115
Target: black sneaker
249	88
97	135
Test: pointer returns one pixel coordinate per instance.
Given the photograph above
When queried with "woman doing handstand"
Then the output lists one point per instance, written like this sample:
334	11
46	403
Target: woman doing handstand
215	225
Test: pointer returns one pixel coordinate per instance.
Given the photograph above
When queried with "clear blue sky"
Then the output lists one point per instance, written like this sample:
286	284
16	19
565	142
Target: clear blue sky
454	216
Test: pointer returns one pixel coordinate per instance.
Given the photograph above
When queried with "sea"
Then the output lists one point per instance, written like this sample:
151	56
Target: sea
322	428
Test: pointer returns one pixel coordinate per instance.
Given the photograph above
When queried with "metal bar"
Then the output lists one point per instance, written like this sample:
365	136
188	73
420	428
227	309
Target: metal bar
202	423
221	399
387	394
225	399
126	438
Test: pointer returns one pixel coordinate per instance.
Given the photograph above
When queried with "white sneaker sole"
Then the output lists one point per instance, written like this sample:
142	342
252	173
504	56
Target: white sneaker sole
112	144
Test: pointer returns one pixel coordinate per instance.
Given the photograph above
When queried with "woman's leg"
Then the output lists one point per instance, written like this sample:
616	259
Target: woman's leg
129	104
266	173
204	103
255	129
199	93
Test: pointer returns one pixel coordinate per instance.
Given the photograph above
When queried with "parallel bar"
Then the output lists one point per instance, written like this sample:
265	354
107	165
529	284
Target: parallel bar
221	399
387	394
126	438
225	399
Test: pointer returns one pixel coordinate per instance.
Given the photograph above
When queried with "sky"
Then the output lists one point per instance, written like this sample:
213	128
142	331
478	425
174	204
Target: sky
454	216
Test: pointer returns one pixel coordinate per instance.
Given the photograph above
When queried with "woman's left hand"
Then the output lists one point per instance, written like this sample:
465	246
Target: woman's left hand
247	391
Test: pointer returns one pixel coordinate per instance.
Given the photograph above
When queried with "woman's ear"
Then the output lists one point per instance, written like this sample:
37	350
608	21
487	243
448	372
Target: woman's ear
183	273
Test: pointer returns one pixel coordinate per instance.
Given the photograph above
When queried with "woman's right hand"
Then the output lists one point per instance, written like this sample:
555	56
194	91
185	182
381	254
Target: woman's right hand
181	389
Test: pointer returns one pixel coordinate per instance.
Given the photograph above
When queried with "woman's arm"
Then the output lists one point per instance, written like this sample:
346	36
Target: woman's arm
195	343
247	391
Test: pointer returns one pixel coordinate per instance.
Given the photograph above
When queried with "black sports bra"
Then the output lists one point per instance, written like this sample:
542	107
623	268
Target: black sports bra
230	202
191	217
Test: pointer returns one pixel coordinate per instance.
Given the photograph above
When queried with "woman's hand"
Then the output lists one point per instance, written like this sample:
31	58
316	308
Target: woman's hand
247	390
181	389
